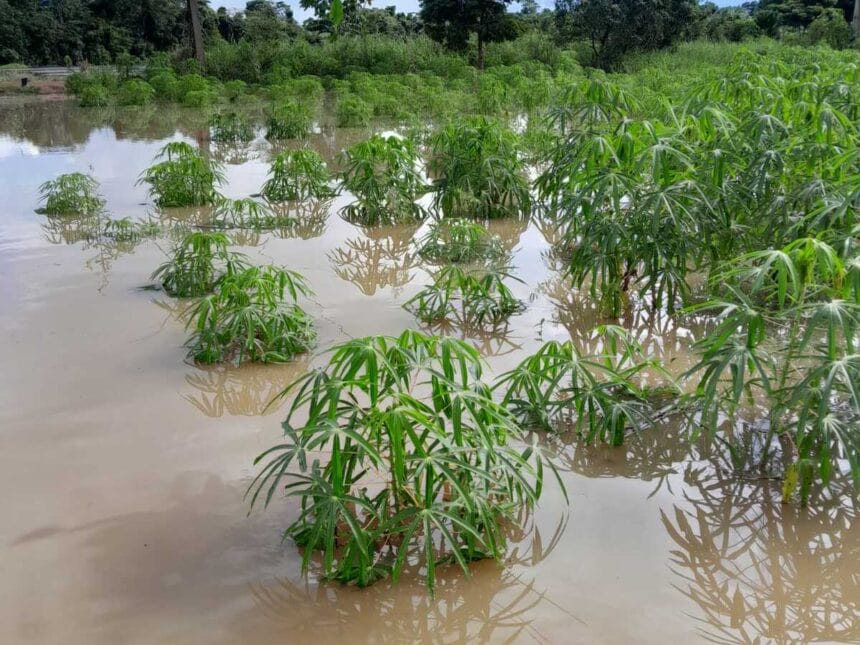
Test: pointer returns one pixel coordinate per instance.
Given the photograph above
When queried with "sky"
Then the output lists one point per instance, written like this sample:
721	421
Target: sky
402	5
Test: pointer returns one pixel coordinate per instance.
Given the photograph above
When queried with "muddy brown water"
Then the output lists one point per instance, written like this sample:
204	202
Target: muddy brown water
123	468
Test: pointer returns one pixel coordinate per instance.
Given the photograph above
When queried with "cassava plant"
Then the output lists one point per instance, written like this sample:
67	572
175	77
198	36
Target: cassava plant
476	298
289	120
460	241
297	175
399	456
592	391
71	194
786	356
252	316
183	178
197	264
382	174
478	171
231	127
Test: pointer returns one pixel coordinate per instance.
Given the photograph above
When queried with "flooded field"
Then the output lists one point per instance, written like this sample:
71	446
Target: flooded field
124	467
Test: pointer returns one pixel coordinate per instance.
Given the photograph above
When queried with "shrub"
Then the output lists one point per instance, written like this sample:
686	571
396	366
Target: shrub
135	92
198	98
477	171
95	96
184	178
166	85
197	264
381	173
450	476
297	175
352	111
248	318
475	299
460	241
289	120
71	194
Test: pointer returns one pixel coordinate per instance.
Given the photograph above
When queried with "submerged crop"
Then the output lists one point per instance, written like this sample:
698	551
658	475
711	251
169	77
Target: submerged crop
252	316
71	194
183	177
454	468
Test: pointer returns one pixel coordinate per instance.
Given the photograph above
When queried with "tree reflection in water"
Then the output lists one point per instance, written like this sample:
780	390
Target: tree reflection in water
382	258
495	604
244	390
303	221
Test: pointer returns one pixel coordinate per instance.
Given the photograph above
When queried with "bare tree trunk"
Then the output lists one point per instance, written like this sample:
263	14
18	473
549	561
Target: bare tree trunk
856	23
196	30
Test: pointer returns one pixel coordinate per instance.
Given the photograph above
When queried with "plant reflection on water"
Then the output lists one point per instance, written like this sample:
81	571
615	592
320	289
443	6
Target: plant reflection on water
382	257
756	569
245	390
497	604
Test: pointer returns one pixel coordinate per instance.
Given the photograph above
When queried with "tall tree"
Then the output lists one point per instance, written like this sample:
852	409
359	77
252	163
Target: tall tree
452	22
615	28
196	30
856	23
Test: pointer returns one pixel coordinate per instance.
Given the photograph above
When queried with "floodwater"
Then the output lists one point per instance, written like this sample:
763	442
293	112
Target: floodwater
123	467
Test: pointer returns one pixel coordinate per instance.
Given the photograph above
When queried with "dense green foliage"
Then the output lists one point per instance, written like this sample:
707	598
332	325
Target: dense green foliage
71	194
460	241
183	178
297	175
249	318
197	264
454	467
382	174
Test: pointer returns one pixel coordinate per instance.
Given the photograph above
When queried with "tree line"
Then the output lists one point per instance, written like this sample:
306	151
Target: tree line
43	32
